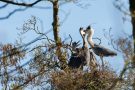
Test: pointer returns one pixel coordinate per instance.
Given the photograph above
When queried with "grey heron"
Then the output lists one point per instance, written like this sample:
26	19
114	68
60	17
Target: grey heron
85	49
83	56
98	49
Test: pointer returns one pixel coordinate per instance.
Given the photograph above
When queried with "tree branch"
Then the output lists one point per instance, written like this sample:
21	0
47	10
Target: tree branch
3	6
120	76
11	13
21	4
57	39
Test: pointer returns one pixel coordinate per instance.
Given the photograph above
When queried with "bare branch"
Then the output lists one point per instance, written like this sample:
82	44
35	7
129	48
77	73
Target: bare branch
30	79
11	13
123	9
27	44
13	70
98	39
21	4
108	36
3	6
39	37
71	39
126	67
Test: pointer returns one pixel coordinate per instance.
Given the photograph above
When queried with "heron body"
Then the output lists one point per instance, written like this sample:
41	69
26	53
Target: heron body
76	61
102	51
82	56
98	49
85	48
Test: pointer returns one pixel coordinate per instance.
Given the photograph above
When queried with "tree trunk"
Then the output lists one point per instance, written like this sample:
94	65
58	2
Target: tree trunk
57	39
134	84
132	10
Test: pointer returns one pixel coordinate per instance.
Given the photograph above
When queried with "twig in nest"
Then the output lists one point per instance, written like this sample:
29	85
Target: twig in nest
71	39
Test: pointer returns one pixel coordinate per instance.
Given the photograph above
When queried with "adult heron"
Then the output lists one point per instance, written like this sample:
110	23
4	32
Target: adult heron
98	49
83	56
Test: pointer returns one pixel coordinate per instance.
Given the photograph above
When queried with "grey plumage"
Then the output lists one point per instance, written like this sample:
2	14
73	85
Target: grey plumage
98	49
82	55
76	61
79	57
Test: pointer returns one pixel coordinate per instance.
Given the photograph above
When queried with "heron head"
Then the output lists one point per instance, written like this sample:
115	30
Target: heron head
82	32
89	30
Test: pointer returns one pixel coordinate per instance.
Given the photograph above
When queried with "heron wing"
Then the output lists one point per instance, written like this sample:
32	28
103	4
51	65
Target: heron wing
100	50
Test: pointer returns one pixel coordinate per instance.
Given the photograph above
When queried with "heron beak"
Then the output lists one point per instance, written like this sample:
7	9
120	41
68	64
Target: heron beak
89	27
86	31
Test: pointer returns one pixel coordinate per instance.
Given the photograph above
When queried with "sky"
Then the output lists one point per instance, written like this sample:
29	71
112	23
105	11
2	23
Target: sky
100	14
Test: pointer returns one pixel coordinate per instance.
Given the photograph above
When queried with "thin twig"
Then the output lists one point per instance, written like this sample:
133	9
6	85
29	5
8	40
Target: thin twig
98	39
71	39
3	6
11	13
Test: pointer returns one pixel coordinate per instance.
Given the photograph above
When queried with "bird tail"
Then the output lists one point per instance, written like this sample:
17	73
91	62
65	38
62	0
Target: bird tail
113	54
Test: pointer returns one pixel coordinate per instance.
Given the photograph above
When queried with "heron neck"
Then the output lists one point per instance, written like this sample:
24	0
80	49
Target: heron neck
90	41
85	43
